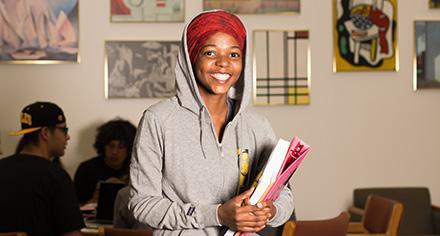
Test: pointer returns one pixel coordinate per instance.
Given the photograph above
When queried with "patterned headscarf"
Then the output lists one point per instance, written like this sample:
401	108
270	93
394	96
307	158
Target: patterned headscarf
207	24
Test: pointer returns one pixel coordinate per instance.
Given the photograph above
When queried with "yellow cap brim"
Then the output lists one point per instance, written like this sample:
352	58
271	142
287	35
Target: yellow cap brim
25	131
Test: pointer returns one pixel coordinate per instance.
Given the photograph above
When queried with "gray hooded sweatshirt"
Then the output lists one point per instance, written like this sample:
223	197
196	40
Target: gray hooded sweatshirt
180	173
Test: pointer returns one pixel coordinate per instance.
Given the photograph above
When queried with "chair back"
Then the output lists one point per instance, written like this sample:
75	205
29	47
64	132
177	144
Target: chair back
14	234
417	217
382	215
330	227
107	231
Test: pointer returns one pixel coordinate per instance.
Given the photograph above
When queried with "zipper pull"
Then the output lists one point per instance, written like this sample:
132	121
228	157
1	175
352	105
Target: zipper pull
221	150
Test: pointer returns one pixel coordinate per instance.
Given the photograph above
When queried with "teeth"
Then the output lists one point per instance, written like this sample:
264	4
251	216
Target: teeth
222	77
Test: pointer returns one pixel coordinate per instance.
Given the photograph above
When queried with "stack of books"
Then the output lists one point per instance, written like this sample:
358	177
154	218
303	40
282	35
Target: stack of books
280	167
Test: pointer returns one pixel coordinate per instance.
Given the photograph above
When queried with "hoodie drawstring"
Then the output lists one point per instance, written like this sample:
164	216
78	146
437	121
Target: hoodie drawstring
202	120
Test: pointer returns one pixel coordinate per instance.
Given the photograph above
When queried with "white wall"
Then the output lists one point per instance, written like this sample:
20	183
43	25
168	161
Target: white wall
365	129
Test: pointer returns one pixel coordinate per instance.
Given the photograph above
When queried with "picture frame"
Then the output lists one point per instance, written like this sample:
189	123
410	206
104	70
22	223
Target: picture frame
365	35
254	6
434	3
141	11
426	64
39	32
281	67
140	69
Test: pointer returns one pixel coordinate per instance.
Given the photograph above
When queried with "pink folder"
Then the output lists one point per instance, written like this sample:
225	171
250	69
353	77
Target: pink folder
295	155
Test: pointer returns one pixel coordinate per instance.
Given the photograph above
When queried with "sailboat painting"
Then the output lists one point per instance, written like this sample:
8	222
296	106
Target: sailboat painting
39	31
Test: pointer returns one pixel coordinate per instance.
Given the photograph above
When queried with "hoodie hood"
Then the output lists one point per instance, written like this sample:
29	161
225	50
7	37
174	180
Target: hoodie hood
186	86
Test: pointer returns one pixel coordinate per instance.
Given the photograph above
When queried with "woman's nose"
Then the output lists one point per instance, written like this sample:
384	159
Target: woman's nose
222	61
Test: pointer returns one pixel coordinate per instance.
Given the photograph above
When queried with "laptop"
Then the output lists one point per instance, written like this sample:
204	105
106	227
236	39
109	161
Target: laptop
106	203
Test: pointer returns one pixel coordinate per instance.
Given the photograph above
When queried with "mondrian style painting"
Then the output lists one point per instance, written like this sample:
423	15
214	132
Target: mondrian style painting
365	35
281	67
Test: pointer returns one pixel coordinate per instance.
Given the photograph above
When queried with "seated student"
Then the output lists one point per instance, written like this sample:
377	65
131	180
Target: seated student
37	196
113	144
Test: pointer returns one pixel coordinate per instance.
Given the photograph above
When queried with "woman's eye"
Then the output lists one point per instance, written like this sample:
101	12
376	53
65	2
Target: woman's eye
209	53
235	55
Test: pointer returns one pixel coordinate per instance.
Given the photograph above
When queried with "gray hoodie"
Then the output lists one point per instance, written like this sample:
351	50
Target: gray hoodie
180	173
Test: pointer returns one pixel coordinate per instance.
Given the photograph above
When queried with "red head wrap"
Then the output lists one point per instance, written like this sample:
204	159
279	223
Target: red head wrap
207	24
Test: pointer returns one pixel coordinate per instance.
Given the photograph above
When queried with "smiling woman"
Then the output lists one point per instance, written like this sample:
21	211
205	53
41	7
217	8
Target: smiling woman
218	65
217	68
196	154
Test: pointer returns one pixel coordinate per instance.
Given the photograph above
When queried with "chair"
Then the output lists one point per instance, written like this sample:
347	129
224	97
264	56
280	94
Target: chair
108	231
381	217
14	234
419	217
330	227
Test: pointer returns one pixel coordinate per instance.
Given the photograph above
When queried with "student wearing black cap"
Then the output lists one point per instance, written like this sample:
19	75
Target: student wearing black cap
38	196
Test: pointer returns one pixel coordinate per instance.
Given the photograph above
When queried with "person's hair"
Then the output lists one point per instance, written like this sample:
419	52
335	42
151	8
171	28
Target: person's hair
117	129
31	138
20	145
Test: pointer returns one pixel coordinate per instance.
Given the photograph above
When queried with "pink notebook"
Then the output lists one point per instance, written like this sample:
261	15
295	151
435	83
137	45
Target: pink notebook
295	155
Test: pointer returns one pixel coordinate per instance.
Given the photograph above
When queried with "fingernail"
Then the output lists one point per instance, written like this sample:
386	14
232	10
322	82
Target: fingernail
259	205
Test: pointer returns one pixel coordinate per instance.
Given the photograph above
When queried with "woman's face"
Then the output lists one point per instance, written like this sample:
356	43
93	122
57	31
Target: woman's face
115	154
218	65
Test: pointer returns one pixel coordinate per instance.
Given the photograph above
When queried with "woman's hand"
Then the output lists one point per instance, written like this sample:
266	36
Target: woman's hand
269	207
243	218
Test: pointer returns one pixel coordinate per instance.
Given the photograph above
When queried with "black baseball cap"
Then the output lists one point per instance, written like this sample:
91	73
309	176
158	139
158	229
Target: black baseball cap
38	115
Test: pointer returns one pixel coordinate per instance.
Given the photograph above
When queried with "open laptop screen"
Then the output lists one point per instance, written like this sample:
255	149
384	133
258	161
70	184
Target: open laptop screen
106	201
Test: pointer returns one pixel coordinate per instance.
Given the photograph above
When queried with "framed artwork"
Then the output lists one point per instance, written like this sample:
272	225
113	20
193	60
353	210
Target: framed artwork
281	64
140	69
147	10
254	6
434	3
1	151
427	54
39	32
365	35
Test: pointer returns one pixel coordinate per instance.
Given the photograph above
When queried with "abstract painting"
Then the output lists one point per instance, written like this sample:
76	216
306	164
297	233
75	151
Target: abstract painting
365	35
281	61
434	3
147	10
427	54
254	6
140	69
39	31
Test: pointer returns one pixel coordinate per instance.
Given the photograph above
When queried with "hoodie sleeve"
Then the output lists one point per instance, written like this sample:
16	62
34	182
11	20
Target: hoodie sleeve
284	206
266	141
147	201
